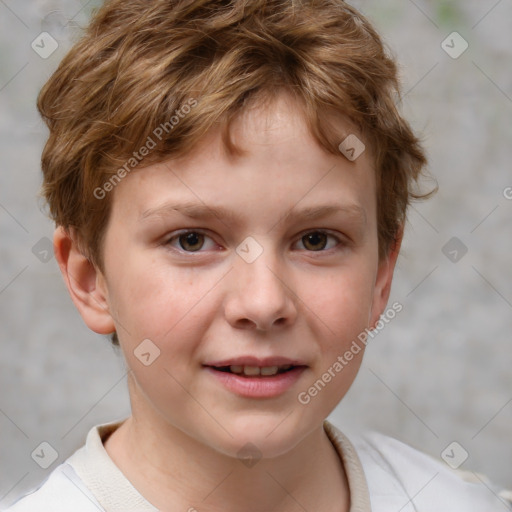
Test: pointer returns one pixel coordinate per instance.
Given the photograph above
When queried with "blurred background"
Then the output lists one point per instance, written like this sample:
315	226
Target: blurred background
439	372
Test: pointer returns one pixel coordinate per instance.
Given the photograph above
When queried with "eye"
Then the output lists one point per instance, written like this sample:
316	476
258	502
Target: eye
189	241
194	241
317	240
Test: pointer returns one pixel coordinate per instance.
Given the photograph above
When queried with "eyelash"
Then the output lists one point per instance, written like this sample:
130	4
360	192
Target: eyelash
302	235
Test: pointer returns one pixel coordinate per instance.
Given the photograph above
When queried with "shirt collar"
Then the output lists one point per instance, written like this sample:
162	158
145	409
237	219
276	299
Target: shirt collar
115	493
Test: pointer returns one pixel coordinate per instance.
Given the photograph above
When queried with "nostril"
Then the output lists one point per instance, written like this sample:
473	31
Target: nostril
245	322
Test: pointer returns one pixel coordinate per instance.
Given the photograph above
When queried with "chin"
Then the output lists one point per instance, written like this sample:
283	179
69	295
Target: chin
265	434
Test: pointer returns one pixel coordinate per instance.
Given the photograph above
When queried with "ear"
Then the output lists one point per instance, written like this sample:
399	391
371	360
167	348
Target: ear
85	283
384	279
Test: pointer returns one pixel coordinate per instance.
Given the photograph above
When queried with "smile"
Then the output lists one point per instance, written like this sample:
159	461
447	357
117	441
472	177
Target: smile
255	381
253	371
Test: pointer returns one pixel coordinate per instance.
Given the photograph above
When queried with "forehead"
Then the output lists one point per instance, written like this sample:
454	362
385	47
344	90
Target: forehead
284	169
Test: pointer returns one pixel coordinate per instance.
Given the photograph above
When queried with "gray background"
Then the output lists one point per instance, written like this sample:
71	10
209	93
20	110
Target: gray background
439	372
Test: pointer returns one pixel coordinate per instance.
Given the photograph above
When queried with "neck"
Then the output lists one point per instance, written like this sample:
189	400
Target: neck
174	471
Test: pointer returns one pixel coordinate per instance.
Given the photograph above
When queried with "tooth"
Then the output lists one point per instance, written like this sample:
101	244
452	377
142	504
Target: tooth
269	370
251	370
286	367
236	369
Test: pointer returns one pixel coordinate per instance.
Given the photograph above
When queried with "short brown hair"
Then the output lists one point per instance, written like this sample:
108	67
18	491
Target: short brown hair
140	63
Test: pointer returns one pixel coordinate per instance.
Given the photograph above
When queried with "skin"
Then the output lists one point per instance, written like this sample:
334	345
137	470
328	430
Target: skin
298	299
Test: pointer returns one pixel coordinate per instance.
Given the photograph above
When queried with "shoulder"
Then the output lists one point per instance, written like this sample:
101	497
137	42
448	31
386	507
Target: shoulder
62	491
401	477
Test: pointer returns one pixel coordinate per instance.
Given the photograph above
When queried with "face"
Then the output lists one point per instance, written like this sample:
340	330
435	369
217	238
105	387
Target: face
230	265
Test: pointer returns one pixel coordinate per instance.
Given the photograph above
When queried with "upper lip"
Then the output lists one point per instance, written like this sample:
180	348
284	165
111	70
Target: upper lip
256	361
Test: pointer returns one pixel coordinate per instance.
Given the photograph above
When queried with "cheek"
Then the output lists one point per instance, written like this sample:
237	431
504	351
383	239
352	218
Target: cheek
339	309
341	300
150	300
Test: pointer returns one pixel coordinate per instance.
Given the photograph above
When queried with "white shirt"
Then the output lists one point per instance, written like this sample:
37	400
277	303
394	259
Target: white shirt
384	475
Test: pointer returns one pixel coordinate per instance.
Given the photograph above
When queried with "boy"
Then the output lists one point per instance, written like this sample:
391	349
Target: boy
265	135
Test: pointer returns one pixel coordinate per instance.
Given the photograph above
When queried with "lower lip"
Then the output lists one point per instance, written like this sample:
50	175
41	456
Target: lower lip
258	387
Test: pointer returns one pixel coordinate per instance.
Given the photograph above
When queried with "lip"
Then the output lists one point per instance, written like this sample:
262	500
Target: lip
258	387
256	361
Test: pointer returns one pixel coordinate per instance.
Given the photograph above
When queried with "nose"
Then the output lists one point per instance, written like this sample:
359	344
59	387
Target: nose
260	297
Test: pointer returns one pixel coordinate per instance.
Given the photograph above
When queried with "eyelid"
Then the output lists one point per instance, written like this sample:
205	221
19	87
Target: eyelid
341	241
176	234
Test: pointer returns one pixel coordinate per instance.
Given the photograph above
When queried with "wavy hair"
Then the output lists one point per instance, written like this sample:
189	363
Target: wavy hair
140	62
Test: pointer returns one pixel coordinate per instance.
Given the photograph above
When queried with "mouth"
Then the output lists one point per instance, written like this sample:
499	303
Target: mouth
256	377
256	371
257	381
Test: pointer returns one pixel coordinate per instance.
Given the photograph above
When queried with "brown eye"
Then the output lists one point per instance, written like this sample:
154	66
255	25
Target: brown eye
191	241
315	241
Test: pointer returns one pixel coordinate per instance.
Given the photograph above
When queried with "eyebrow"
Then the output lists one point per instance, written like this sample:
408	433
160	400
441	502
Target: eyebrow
204	212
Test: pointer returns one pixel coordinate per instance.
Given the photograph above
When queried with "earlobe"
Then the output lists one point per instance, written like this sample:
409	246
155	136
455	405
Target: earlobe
384	279
85	283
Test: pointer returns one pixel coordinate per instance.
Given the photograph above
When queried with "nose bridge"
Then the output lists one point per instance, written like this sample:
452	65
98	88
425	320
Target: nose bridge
262	276
260	295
